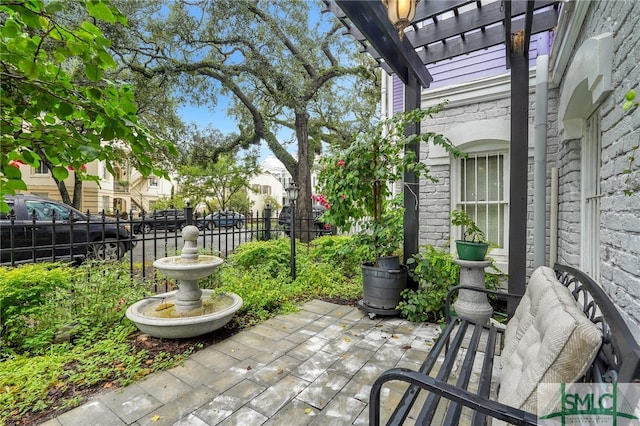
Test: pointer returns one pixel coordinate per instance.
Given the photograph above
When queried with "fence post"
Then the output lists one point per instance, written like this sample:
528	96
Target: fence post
188	213
267	222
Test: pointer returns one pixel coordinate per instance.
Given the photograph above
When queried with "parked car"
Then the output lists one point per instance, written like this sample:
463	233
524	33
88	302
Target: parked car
224	219
170	219
303	224
43	229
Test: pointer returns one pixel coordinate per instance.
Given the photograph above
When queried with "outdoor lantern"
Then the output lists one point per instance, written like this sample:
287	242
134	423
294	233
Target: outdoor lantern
400	13
292	192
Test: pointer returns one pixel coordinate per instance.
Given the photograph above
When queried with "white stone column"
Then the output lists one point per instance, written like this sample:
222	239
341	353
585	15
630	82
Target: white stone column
471	304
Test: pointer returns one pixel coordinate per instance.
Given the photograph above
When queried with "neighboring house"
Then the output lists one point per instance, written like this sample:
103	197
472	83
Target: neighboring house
276	169
590	222
125	191
261	185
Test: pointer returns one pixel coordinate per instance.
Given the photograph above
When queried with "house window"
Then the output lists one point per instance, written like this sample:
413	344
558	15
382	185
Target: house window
482	193
42	169
266	189
153	182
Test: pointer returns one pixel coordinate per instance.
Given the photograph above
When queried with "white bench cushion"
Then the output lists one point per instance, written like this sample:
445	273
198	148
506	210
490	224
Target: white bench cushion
548	340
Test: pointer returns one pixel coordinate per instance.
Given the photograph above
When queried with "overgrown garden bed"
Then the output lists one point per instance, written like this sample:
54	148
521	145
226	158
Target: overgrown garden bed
64	335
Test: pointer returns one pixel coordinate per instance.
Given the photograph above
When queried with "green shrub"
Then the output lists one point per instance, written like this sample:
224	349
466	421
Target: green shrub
25	295
435	273
339	251
272	255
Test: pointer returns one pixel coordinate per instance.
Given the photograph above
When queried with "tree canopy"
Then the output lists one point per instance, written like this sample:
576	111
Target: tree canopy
214	182
47	111
284	64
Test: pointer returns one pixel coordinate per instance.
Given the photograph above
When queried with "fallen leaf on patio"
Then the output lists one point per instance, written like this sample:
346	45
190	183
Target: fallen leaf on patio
308	410
344	356
393	336
155	418
346	339
280	371
406	347
249	368
107	385
379	325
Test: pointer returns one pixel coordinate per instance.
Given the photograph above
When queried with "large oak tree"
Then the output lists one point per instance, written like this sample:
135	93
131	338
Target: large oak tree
284	65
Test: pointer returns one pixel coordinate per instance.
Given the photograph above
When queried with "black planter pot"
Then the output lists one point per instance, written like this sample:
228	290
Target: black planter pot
381	289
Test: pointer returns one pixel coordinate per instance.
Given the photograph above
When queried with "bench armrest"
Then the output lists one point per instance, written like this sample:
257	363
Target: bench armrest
450	293
450	392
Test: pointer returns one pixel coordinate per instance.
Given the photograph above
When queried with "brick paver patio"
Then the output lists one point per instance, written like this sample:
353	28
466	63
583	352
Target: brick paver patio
313	367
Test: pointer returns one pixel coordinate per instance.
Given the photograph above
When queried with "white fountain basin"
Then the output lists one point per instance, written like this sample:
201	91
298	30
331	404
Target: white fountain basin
180	327
179	268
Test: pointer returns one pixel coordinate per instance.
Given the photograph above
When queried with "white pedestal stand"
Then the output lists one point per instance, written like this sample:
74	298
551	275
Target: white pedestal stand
471	304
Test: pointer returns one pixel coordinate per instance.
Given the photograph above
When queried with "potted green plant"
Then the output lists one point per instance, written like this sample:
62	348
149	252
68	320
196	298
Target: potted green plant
358	184
473	245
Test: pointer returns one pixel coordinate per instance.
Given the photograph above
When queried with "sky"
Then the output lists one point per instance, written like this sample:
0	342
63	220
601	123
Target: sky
203	117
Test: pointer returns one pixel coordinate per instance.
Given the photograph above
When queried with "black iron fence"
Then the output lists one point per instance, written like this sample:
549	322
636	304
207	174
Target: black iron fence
139	240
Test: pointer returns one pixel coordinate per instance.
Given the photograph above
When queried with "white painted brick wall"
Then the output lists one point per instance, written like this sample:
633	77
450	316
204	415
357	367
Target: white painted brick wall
620	215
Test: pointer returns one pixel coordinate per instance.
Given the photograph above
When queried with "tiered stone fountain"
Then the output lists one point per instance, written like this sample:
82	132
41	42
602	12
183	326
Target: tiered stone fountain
188	311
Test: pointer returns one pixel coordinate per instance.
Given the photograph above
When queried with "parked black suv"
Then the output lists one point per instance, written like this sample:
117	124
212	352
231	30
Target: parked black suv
42	229
304	224
170	219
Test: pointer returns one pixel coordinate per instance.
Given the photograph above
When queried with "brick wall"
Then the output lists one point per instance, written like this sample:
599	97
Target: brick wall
620	215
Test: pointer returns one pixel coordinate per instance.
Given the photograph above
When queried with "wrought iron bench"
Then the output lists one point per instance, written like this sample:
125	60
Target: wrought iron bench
443	384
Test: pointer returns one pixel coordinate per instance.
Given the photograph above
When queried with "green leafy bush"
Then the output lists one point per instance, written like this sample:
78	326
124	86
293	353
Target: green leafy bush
272	255
435	273
25	295
341	252
259	272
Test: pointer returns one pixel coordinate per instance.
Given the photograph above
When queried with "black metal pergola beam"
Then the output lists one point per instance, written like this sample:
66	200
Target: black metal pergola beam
371	19
519	158
475	19
445	29
479	40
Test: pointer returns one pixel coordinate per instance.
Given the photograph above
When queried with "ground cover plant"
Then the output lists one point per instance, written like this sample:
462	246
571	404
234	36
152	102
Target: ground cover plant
64	336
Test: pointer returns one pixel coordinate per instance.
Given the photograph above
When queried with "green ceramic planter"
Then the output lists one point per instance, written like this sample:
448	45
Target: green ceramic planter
471	251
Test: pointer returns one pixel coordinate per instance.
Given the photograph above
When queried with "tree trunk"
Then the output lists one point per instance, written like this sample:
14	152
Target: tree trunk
303	179
62	187
77	192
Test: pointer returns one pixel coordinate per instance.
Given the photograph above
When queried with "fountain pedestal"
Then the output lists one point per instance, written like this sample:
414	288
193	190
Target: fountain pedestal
187	317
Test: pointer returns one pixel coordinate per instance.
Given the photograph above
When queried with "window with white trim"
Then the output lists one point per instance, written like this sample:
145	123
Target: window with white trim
42	169
482	193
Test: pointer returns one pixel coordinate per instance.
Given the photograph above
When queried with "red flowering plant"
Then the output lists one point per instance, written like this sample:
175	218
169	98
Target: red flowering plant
358	181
